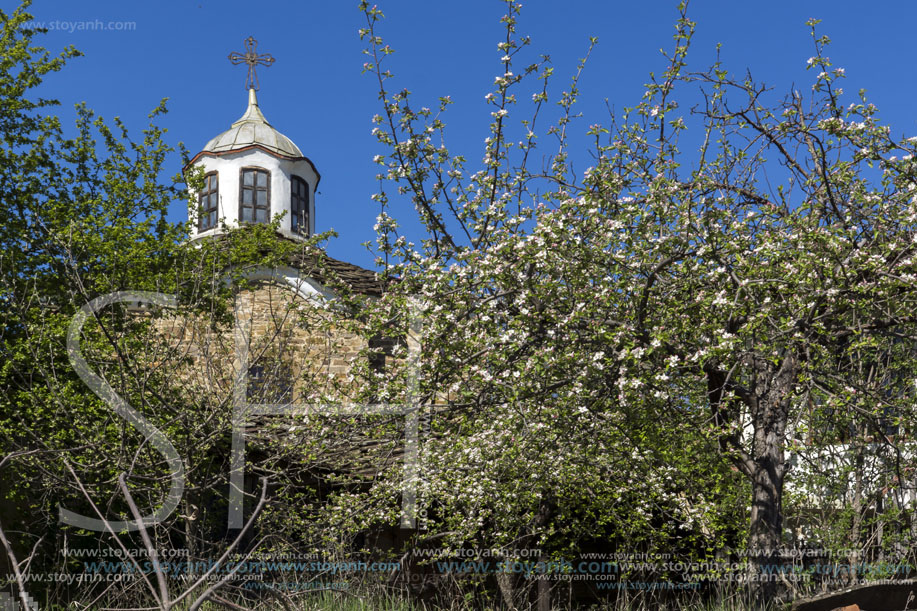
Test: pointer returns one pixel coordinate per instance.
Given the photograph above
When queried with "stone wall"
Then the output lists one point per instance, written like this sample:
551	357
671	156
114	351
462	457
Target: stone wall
285	338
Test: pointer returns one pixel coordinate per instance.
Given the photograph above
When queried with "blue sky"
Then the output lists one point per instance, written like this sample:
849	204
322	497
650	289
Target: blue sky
315	92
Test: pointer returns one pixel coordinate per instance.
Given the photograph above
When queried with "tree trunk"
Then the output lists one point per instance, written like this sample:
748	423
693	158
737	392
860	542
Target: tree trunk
767	469
544	591
853	557
545	511
766	525
505	583
767	398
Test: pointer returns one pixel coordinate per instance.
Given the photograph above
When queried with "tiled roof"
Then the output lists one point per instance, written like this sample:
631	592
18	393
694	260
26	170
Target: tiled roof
327	270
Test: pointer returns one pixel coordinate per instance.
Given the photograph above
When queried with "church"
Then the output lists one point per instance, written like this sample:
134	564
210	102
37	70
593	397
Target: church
254	174
291	351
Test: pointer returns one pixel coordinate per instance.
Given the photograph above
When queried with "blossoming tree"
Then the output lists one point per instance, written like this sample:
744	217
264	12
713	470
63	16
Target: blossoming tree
616	347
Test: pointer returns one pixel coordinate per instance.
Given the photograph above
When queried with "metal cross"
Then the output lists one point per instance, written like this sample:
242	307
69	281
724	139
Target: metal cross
252	59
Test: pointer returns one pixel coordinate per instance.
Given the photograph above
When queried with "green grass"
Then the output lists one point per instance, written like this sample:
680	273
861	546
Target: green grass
375	599
338	601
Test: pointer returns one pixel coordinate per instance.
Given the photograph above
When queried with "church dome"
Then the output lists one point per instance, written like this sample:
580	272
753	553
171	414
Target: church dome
252	129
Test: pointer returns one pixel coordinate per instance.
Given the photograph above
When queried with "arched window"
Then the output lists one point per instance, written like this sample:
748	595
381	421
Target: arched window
255	195
299	206
208	199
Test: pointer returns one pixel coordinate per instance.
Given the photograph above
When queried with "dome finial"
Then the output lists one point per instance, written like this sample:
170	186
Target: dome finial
252	128
251	58
253	113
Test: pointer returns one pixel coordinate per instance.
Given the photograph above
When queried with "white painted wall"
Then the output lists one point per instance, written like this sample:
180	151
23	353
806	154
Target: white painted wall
229	166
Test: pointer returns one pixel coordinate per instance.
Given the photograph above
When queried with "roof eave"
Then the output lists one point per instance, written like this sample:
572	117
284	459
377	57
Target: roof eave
318	177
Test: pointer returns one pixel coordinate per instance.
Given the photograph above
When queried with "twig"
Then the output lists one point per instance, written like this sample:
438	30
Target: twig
203	597
283	598
229	605
150	550
23	596
112	532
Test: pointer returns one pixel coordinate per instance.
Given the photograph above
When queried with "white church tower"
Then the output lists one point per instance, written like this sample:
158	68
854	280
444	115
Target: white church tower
253	172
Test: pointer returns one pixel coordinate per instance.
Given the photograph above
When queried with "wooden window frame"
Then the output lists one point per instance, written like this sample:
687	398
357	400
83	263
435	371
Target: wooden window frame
255	189
204	211
303	227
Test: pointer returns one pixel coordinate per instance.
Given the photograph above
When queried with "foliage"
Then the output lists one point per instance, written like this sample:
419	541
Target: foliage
671	313
677	351
84	217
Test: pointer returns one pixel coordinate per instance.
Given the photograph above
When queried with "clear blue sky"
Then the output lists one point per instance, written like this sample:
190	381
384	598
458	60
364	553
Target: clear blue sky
315	92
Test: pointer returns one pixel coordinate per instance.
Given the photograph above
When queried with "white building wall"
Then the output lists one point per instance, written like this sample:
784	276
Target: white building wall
229	166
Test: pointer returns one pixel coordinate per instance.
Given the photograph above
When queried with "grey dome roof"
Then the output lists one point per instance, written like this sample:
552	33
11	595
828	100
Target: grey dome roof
252	129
